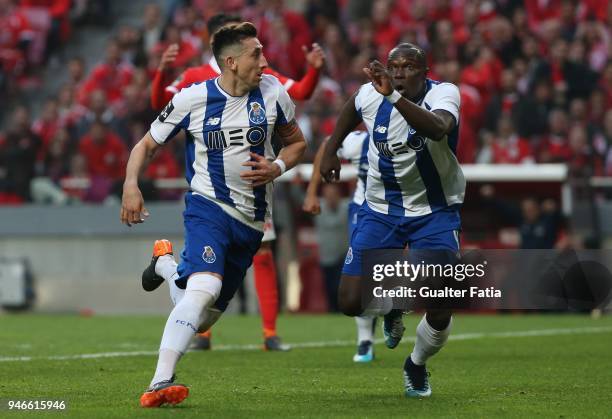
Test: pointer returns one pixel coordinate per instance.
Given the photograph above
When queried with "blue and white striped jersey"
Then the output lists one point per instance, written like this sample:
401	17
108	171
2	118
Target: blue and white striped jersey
221	132
410	175
355	149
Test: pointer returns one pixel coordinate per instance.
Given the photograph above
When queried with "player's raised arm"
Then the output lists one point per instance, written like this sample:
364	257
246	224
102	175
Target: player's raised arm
347	122
402	82
133	210
175	116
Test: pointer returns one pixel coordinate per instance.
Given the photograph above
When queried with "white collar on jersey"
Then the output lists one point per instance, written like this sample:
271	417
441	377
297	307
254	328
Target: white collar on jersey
213	63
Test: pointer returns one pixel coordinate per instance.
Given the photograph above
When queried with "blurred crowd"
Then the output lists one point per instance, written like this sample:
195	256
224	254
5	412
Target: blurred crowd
535	78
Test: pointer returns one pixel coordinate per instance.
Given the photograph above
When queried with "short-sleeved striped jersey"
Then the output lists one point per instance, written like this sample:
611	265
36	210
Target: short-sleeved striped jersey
410	175
221	132
355	149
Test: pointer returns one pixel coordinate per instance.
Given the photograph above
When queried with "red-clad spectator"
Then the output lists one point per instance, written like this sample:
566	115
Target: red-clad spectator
46	126
162	91
104	152
76	72
14	37
471	113
152	27
508	147
584	162
555	148
59	11
163	165
337	53
579	114
483	73
465	23
130	43
192	27
284	33
503	102
58	156
605	82
598	9
135	107
441	10
596	107
77	182
602	143
539	11
568	70
99	109
411	18
531	111
111	76
186	54
209	8
386	36
443	47
596	39
70	111
18	154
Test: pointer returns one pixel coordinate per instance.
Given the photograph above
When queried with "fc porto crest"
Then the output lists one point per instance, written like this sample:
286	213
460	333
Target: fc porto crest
349	256
209	255
257	114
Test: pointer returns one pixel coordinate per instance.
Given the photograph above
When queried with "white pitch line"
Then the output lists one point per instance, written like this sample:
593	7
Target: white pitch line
323	344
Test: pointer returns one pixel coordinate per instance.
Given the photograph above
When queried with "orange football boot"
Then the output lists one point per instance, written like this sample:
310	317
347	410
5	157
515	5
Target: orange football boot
164	392
150	280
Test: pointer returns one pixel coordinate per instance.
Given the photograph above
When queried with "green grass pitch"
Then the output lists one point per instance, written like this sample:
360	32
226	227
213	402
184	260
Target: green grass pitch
496	366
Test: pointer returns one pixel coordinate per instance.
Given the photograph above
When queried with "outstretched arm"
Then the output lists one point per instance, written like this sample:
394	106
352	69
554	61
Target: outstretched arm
434	125
133	210
347	122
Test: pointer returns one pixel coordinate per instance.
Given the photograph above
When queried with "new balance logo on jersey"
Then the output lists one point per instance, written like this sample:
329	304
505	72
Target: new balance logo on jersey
213	121
380	129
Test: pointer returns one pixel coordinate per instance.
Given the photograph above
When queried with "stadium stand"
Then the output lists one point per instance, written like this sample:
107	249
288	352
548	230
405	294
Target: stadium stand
535	79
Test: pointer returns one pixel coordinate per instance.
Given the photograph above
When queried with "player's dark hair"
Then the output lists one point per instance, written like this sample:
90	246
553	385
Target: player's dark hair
220	20
230	36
